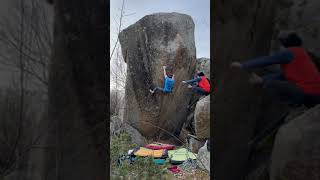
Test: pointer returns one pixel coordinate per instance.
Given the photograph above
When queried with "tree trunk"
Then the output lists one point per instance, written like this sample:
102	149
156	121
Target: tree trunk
77	91
242	30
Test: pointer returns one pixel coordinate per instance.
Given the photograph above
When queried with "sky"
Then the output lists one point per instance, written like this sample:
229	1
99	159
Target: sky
199	10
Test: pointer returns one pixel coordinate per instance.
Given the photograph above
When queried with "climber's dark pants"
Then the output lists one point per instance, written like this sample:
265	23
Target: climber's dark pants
159	89
199	90
290	93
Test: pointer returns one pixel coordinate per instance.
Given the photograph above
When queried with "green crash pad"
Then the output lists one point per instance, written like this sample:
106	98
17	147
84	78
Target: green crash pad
178	156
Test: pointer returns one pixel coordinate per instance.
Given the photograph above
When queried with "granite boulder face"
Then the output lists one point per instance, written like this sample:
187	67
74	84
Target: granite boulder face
157	40
202	118
296	149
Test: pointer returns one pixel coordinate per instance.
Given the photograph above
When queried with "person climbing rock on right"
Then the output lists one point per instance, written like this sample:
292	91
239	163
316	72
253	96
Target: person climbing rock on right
297	83
199	84
168	83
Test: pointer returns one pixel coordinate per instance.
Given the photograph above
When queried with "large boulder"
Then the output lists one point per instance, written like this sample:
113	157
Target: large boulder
297	148
161	39
202	118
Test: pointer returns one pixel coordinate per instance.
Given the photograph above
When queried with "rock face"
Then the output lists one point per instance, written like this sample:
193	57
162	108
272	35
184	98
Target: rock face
162	39
203	64
202	118
297	148
242	30
203	158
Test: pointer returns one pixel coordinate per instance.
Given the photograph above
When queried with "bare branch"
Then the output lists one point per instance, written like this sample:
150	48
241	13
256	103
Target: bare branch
120	23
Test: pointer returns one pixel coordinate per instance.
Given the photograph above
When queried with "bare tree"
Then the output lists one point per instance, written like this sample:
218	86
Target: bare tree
119	29
77	91
116	102
25	38
118	70
21	82
117	66
36	41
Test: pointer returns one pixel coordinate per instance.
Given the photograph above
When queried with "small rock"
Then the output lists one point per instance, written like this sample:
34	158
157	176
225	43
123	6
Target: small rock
184	134
195	144
135	135
203	158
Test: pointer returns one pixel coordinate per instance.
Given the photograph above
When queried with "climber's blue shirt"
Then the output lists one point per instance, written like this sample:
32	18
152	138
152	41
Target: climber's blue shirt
168	84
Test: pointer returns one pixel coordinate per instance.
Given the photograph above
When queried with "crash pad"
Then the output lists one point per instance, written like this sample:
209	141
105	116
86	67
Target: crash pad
178	156
157	146
159	161
145	152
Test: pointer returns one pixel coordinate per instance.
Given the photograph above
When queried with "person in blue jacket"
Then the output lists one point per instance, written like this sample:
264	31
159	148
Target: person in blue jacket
168	83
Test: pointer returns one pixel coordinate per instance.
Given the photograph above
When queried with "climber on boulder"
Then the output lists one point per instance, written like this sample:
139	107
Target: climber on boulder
168	83
298	82
199	84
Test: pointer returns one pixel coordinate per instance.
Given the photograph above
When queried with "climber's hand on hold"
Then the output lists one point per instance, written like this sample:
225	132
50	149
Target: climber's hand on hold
164	71
235	65
184	82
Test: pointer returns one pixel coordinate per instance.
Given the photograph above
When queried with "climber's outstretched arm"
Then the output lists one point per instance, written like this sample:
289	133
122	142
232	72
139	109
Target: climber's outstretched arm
283	57
273	76
192	80
164	71
173	76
